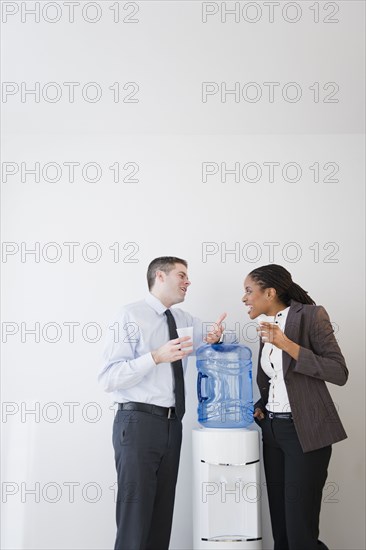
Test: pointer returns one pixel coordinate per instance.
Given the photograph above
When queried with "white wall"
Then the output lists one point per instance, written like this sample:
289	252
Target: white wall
63	451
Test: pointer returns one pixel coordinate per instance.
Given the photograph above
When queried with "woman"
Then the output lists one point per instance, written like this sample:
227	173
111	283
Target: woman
299	421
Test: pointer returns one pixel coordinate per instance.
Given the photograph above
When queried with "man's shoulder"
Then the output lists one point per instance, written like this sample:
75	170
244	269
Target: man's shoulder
180	313
179	310
134	307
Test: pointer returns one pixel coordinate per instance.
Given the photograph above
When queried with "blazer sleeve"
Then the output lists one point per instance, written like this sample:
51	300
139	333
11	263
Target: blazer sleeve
324	360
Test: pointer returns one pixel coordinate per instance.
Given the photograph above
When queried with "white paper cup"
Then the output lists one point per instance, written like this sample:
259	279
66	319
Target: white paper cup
265	319
186	331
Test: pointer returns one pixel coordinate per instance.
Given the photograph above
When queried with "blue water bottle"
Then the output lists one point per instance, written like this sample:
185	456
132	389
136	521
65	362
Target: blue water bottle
224	384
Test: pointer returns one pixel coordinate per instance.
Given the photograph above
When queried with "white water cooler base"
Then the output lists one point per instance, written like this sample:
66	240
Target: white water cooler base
226	489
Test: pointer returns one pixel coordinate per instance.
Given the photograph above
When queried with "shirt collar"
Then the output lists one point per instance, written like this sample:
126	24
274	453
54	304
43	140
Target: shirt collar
281	316
155	303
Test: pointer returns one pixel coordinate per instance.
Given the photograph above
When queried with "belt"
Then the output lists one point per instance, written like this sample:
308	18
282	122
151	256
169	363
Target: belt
167	412
279	416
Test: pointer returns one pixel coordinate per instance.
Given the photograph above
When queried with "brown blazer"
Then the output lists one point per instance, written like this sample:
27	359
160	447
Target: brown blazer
320	360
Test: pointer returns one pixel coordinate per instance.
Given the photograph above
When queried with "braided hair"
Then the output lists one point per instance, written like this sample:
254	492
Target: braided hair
277	277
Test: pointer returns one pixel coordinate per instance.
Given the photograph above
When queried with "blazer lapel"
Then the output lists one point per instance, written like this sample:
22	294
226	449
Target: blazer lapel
292	331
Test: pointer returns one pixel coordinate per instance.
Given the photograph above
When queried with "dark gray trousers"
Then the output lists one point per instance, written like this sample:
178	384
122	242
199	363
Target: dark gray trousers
147	451
295	482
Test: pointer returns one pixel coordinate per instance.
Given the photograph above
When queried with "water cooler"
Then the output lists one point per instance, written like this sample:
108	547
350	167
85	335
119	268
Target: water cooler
226	468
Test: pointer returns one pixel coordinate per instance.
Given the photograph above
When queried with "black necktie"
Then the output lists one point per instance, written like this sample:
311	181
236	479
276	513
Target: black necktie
177	370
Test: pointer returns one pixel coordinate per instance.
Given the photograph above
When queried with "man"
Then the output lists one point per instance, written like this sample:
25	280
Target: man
143	371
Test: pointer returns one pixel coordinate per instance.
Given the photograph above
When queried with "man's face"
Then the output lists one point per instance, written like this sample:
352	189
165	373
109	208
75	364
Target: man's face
174	284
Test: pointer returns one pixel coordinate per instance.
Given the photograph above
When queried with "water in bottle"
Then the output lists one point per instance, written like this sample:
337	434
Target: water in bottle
224	384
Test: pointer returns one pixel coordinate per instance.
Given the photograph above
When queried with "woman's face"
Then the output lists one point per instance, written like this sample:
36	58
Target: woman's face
256	298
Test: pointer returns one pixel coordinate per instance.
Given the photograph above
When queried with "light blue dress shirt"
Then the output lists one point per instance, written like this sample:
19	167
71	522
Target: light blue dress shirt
129	371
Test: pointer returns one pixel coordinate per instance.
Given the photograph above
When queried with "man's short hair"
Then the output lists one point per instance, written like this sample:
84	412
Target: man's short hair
164	263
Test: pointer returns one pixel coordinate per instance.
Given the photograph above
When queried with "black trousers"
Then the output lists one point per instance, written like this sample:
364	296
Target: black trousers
295	482
147	451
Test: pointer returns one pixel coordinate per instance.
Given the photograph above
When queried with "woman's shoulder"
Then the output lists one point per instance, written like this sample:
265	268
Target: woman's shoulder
309	309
